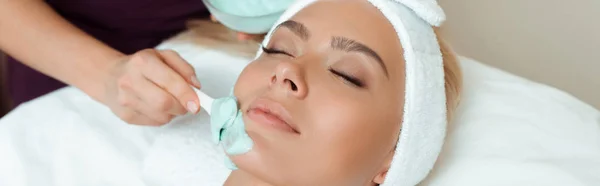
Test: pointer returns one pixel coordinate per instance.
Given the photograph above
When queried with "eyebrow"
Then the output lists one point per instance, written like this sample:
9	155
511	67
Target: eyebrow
297	28
349	45
337	43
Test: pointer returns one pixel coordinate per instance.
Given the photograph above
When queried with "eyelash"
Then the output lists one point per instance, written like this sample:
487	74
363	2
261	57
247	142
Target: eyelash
275	51
350	79
354	81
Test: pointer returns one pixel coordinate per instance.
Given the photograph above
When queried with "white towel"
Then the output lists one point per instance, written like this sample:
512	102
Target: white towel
424	125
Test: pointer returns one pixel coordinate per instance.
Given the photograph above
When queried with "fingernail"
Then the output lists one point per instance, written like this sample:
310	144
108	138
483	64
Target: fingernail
196	82
192	107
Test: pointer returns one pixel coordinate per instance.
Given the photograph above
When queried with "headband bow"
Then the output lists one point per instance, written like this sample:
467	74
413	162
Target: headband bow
428	10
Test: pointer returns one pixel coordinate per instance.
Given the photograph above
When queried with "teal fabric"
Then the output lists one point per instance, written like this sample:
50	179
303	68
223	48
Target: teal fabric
249	16
251	8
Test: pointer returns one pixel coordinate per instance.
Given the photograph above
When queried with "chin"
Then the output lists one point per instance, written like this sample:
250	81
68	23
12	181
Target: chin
253	163
251	160
258	162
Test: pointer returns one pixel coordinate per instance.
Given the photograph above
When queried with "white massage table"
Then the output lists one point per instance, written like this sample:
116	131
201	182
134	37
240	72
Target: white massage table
508	131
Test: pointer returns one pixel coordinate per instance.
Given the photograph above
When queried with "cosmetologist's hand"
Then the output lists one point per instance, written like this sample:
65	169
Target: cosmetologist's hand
151	87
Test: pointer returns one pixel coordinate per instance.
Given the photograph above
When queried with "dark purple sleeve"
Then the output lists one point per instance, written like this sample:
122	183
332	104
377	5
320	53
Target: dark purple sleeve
126	25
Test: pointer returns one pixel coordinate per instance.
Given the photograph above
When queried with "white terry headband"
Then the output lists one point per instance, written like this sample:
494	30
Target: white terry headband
424	122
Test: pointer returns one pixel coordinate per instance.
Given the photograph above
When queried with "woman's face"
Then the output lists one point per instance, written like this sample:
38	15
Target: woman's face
324	102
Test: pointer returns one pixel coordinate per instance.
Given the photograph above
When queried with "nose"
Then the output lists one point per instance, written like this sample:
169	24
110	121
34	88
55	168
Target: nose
289	78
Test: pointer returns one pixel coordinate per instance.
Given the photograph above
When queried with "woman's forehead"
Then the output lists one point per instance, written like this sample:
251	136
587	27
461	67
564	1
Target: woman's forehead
342	14
357	20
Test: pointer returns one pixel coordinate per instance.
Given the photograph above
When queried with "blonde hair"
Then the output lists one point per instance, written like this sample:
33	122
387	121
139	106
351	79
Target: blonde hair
452	77
216	36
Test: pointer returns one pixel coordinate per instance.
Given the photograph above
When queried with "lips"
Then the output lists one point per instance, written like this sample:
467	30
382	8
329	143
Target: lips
271	114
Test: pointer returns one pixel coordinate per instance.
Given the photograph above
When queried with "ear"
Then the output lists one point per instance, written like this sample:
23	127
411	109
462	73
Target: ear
380	177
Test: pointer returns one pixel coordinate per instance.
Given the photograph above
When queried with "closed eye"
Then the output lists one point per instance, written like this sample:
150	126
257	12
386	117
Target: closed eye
275	51
350	79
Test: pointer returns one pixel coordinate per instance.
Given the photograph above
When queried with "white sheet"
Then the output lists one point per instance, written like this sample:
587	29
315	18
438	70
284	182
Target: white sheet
512	131
509	131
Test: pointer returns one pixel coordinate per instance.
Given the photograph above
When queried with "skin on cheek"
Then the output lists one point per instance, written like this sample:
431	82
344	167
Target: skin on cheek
350	138
253	79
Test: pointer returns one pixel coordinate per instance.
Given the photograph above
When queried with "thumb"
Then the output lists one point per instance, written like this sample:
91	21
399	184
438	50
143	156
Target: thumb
213	18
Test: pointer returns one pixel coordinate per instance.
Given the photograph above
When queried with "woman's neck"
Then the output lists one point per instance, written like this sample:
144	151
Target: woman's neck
241	178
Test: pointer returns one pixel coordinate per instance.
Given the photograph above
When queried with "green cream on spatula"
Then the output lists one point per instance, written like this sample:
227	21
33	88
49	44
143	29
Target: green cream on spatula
227	125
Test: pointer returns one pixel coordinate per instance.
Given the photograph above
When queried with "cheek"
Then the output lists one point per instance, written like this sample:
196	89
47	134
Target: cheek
253	78
352	136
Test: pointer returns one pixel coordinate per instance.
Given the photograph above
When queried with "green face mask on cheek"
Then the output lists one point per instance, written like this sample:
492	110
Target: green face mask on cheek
228	129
